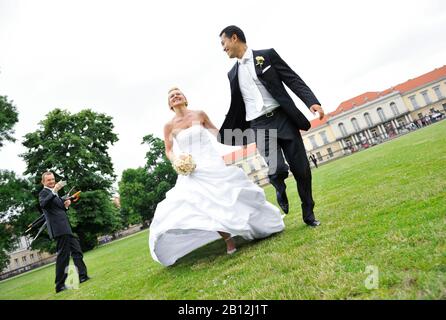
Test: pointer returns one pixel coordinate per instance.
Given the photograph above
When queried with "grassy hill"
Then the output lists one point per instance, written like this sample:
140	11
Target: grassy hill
383	208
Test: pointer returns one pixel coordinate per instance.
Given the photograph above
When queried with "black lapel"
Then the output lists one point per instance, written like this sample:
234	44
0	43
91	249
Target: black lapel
258	68
233	77
233	73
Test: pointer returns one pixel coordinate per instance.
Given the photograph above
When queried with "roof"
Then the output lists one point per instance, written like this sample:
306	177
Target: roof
411	84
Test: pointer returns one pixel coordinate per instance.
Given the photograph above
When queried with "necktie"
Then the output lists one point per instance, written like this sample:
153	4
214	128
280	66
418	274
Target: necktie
249	80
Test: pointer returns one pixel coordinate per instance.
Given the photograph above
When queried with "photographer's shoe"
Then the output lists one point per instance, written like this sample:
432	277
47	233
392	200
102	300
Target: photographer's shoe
60	289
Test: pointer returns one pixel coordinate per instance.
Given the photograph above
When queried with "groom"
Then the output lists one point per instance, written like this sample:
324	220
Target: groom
260	102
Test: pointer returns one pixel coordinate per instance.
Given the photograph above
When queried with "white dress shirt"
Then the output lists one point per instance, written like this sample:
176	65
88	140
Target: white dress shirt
52	190
258	101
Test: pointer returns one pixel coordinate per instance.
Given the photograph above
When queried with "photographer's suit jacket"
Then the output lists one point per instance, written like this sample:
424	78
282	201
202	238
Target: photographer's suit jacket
55	213
272	74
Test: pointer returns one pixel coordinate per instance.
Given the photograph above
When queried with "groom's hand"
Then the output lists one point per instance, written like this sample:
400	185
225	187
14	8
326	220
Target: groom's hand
317	108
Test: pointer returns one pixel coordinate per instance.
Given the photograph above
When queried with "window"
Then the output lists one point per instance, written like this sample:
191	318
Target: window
394	109
31	257
342	129
330	152
319	156
368	119
16	262
444	106
381	114
426	97
324	137
438	92
24	259
420	116
355	124
414	102
313	142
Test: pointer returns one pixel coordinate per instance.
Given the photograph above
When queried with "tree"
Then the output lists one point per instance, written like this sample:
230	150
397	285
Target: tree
158	165
75	148
162	176
17	208
6	245
8	118
135	197
142	189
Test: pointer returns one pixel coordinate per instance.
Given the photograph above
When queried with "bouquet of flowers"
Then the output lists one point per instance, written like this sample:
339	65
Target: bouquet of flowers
184	164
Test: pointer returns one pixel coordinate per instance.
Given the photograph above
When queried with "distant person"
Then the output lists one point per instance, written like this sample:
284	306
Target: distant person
313	159
54	209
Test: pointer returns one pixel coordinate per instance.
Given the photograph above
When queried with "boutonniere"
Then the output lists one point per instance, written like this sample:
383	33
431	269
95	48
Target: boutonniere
260	61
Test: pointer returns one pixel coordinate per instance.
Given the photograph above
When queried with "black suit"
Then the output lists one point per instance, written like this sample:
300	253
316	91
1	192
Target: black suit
283	126
59	228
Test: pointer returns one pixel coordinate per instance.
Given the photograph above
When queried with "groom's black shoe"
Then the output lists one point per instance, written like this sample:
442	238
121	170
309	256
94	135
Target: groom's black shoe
83	279
282	200
314	223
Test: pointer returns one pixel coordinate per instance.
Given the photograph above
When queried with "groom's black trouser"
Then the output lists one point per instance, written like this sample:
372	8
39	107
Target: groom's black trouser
281	137
68	245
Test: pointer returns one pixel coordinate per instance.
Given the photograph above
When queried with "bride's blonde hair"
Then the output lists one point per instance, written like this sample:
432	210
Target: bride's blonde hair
170	90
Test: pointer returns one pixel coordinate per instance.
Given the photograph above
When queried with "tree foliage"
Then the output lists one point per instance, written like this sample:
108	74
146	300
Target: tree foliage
17	207
75	148
142	189
8	118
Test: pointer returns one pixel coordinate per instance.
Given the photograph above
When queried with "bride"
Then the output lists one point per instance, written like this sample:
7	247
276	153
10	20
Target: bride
213	201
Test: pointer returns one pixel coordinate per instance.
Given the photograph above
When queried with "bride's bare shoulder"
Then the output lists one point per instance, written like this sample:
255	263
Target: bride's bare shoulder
168	126
201	114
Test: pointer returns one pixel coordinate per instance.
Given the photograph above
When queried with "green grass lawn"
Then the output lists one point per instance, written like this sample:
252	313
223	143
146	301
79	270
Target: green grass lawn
384	207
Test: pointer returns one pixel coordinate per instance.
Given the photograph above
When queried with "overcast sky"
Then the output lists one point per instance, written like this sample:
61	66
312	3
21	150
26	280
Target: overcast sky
121	57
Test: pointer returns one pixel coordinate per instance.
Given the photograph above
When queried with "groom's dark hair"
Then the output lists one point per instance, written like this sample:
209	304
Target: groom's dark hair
229	31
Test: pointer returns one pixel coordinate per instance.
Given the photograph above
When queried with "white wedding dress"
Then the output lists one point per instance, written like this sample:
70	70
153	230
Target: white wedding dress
213	198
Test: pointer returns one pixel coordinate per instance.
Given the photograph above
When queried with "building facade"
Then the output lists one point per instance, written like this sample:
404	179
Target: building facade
251	162
362	122
375	117
23	259
427	99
